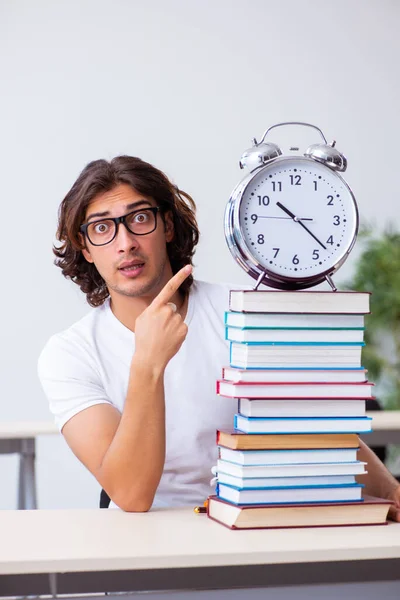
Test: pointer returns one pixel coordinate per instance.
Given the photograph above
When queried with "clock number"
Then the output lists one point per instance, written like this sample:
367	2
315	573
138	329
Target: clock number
260	239
330	240
276	251
315	254
330	198
295	179
254	218
295	260
336	220
276	186
315	185
263	200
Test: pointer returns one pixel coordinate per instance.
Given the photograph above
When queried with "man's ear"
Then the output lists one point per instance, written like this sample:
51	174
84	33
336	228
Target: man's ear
84	249
169	227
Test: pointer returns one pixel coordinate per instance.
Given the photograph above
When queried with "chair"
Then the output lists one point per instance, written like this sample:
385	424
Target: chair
104	499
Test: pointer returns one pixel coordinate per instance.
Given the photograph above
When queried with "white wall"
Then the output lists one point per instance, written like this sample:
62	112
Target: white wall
185	85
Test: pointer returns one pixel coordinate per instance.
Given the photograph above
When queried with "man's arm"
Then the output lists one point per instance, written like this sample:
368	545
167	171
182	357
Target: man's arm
379	481
126	453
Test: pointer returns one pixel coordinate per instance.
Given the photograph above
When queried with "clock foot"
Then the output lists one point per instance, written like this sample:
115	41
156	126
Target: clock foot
329	280
259	280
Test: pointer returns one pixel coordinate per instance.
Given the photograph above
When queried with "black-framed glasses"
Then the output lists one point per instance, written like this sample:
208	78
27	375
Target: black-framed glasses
103	231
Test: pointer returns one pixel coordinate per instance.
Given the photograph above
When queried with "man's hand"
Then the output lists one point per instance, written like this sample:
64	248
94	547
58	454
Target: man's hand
160	331
394	511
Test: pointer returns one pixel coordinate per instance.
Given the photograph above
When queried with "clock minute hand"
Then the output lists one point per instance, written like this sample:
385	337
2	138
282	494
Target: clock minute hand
297	220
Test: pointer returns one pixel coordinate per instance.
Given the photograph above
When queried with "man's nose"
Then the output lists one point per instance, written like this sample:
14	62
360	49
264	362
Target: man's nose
125	240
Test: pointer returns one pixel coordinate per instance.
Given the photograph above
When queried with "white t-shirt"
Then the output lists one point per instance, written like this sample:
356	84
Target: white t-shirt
89	364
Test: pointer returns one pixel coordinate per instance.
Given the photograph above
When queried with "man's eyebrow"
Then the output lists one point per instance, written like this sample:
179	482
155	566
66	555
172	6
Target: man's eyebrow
128	207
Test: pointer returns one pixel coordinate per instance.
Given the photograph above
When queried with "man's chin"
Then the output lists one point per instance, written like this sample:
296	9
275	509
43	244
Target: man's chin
133	289
136	287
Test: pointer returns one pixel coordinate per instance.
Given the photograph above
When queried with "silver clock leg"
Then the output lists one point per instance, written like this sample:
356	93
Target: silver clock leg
329	280
259	280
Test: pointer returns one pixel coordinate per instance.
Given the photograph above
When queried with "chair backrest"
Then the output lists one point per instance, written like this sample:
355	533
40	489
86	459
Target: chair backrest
104	499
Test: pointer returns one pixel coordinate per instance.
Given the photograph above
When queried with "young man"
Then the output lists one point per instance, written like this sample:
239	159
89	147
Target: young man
132	384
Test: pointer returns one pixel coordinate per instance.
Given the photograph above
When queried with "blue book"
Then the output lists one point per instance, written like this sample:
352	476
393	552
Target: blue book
295	355
288	457
294	336
289	343
302	424
245	483
291	495
299	370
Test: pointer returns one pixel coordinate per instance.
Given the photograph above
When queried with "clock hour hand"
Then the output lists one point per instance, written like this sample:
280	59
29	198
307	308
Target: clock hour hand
297	220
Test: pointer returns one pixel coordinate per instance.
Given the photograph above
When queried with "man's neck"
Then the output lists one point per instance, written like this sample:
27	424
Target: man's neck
127	309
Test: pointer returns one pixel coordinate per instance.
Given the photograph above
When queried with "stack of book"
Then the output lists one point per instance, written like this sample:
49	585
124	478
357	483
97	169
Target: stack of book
295	371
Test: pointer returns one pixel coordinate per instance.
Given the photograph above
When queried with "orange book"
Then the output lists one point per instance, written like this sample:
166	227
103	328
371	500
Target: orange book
237	440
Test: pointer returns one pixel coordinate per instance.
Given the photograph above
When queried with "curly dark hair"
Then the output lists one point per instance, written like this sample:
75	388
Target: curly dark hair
102	176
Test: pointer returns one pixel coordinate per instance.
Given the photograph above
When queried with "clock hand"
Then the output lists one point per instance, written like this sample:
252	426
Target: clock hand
297	220
271	217
287	211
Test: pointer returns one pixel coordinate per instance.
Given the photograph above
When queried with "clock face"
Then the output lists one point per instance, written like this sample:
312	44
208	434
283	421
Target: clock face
297	218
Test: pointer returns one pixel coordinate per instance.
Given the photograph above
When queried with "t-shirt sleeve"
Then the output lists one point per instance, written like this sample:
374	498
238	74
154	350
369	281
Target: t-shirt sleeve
69	378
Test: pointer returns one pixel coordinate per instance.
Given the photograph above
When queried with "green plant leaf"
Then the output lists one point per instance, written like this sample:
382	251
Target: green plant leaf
378	272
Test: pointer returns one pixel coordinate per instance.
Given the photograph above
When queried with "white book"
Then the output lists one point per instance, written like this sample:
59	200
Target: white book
299	302
252	482
282	320
290	495
234	334
294	390
301	408
295	355
300	470
287	457
357	375
302	425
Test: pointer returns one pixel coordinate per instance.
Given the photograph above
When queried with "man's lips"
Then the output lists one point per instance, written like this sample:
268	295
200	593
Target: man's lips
131	269
130	265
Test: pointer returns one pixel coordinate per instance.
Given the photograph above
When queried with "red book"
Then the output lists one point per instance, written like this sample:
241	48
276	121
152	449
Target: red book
299	302
370	511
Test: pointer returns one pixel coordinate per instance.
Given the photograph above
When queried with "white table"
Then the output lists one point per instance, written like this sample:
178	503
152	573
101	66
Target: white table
92	551
19	437
385	428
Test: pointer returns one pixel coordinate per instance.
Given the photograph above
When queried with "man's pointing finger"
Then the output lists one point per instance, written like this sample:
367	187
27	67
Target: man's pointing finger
172	286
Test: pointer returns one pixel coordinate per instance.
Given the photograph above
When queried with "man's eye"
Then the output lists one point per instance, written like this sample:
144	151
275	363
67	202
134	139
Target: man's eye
141	218
101	228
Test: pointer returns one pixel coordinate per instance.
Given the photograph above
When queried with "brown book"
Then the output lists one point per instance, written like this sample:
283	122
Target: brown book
237	440
299	302
371	511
